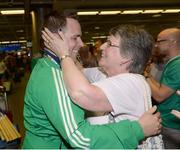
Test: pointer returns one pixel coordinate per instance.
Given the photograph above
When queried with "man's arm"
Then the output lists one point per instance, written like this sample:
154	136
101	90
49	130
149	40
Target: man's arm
159	91
68	119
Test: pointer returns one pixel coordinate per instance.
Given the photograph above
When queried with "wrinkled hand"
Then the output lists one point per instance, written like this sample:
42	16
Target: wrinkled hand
151	123
55	42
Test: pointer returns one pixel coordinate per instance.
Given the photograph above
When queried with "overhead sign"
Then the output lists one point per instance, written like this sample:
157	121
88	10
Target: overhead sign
10	47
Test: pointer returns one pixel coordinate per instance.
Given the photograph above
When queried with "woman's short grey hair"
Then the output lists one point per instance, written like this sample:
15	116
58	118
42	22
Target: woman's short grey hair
136	44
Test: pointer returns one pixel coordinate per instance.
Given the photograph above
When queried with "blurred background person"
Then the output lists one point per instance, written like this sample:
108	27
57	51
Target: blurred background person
164	92
87	59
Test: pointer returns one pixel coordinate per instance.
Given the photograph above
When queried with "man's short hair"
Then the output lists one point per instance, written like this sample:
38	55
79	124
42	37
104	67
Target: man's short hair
55	20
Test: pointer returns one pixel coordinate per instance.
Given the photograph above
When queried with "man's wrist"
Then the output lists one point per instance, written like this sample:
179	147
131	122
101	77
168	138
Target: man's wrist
138	129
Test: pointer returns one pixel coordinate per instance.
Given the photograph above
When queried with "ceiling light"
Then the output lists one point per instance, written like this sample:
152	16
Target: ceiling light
19	31
87	12
152	11
5	42
23	47
156	15
171	11
14	42
99	37
132	12
96	28
109	12
22	41
115	12
22	38
88	43
12	12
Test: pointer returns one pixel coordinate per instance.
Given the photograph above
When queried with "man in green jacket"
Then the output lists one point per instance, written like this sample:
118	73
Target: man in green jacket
52	120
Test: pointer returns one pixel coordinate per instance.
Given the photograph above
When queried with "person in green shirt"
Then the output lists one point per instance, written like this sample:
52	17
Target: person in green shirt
168	42
53	121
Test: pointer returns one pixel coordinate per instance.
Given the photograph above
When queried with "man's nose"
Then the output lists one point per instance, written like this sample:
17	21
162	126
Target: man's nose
81	44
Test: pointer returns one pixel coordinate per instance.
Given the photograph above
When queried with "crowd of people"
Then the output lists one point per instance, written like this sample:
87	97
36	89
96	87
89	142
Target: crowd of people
12	68
116	86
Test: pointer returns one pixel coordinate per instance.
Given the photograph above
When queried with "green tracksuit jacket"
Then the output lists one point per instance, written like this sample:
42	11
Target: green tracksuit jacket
171	78
52	120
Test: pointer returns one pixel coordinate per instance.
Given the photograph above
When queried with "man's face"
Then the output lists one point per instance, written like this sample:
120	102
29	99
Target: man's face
163	43
73	35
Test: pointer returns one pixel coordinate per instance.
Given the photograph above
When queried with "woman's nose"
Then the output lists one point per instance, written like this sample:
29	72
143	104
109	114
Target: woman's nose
103	46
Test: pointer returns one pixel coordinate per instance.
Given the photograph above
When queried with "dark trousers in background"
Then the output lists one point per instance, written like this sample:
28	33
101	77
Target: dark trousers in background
171	138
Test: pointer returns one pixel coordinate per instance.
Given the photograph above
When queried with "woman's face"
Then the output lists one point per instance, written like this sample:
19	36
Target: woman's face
111	57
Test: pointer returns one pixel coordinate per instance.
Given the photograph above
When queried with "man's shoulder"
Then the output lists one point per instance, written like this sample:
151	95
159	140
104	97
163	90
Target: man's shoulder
42	69
173	62
46	64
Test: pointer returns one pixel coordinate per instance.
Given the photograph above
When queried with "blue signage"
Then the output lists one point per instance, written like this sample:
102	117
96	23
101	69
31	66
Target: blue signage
10	47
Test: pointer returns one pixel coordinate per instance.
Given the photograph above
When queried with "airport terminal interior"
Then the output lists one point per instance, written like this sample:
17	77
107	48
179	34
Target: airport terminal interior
20	38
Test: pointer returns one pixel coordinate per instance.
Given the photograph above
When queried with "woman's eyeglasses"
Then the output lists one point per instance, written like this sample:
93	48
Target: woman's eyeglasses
109	44
159	41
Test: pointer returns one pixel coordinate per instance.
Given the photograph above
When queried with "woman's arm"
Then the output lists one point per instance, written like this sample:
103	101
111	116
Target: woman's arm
81	91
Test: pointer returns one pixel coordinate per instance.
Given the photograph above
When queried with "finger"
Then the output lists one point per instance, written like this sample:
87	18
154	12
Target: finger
46	40
178	92
45	36
49	33
158	115
152	110
61	35
160	126
175	112
47	45
159	131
